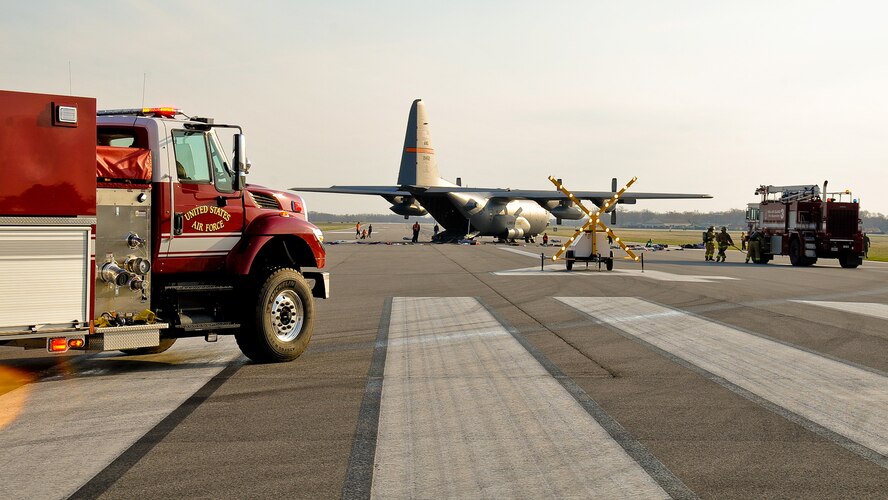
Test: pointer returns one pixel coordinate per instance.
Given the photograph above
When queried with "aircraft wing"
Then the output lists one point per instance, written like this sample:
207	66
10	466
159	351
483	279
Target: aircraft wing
543	195
377	190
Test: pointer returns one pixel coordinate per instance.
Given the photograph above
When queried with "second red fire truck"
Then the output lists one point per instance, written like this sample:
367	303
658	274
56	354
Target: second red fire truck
807	224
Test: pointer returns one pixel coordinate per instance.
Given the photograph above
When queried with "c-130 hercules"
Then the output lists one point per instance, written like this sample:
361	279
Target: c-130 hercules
469	212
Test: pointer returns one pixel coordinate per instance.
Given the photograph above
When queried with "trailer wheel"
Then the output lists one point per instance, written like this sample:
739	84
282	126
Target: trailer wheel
159	348
280	323
569	264
609	265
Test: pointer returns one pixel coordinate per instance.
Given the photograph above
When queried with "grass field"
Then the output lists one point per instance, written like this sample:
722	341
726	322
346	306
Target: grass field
333	226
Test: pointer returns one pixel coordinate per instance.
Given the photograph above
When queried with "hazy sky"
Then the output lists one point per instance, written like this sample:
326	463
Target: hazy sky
690	96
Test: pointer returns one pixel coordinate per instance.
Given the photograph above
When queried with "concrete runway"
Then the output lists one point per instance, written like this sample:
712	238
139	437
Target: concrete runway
466	371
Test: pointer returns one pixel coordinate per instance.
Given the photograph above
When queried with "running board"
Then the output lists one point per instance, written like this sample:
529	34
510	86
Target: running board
198	288
200	327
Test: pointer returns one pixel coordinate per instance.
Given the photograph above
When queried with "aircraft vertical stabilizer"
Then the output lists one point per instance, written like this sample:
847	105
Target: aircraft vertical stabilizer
418	165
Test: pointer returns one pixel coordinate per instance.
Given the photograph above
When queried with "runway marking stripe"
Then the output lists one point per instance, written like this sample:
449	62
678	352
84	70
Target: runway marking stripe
467	411
843	399
873	309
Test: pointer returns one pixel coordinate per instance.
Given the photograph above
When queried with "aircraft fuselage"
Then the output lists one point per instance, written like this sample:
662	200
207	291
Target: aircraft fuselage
500	217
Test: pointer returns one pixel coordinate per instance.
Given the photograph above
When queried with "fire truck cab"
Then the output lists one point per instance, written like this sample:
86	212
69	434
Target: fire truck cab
800	222
162	237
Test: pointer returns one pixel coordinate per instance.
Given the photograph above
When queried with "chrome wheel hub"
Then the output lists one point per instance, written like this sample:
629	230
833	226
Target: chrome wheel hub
287	315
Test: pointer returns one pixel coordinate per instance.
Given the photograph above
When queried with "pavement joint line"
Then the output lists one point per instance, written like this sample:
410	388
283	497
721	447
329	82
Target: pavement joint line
471	312
101	482
542	327
656	469
841	440
359	473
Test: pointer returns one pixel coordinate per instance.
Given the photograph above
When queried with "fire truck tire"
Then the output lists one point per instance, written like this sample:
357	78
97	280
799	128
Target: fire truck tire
280	323
163	346
849	261
794	253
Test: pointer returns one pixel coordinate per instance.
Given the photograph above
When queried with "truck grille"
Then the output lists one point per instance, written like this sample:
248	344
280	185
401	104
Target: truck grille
842	222
265	201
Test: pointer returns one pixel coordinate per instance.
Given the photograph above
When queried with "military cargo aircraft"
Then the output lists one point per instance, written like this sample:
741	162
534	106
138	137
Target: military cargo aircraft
465	212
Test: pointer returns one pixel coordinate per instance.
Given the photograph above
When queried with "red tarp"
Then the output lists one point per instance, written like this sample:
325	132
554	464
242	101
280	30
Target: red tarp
123	163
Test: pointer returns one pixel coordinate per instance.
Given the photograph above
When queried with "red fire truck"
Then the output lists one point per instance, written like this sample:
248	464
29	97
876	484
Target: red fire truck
799	222
127	229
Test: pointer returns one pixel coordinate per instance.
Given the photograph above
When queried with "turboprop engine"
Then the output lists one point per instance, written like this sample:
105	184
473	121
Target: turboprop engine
562	209
406	206
512	227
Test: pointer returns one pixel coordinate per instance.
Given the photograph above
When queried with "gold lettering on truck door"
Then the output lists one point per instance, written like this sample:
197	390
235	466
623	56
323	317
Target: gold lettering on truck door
215	220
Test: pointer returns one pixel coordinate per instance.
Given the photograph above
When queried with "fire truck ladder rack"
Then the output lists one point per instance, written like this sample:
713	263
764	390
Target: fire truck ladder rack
790	193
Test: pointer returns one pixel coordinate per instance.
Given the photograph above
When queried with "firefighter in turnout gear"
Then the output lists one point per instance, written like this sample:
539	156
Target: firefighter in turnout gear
709	241
754	247
724	241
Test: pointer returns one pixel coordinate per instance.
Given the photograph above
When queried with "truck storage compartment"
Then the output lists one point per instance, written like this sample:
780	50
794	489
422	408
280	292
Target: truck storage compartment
45	274
47	211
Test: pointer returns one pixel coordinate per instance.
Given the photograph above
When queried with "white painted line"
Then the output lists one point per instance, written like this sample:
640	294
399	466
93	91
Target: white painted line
664	276
66	430
580	270
849	401
467	412
522	252
865	308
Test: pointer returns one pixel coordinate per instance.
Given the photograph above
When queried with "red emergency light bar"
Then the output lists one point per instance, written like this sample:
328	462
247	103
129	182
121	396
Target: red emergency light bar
157	112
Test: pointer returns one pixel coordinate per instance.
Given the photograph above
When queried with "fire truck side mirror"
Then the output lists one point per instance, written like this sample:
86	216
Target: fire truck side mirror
240	161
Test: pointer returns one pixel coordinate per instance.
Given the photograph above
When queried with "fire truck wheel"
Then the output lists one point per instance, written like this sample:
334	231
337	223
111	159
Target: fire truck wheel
279	326
163	346
795	253
849	261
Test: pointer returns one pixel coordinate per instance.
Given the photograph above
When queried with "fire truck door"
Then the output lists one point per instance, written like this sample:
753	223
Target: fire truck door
208	216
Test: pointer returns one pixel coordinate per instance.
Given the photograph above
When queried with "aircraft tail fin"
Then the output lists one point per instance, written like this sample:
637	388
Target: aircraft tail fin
418	165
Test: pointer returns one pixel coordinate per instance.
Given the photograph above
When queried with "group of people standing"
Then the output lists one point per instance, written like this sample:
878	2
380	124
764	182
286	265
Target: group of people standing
723	239
751	243
363	232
